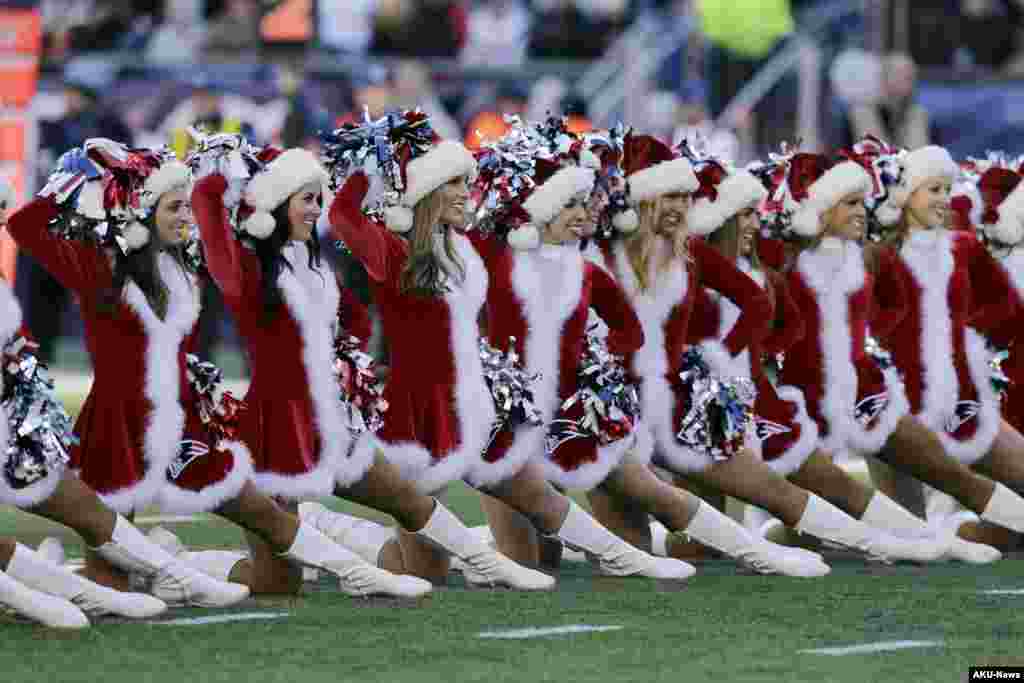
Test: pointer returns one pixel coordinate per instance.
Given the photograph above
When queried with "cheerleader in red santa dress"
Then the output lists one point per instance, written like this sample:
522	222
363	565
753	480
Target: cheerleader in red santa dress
541	290
430	286
957	292
34	475
662	269
295	424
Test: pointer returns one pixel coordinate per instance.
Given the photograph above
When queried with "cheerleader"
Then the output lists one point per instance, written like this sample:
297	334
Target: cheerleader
956	292
33	477
430	285
662	270
286	308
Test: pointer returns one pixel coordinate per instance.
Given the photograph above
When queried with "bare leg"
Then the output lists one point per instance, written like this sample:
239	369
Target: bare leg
901	487
746	477
514	536
7	546
820	475
1005	461
622	517
989	534
530	494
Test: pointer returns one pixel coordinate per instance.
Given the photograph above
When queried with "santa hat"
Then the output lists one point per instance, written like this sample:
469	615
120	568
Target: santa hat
653	169
723	193
813	184
282	177
423	174
554	188
169	175
1003	199
916	167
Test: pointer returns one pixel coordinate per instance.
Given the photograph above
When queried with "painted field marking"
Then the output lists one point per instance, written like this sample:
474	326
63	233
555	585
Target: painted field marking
1007	591
220	619
868	648
169	519
521	633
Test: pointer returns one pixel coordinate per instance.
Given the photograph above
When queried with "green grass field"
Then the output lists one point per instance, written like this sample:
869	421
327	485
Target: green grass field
723	625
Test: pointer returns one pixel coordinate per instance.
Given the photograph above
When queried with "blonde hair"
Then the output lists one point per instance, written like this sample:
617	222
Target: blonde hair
425	272
640	245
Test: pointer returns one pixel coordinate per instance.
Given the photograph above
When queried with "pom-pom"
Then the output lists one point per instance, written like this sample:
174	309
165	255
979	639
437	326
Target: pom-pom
218	409
90	201
135	236
259	225
362	393
1000	382
398	218
626	221
720	412
526	236
510	386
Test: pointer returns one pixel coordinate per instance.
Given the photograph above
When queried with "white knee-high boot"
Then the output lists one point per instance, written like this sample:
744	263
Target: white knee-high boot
48	610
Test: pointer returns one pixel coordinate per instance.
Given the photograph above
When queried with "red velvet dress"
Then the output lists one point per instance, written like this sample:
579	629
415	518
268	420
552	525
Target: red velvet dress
294	423
1006	336
855	404
786	433
665	309
542	298
440	411
956	292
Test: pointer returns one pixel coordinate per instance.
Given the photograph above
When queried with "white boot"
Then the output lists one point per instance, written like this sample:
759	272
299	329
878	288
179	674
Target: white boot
1006	509
52	550
362	536
885	513
964	550
167	540
35	572
482	565
718	531
174	582
48	610
355	576
659	539
614	556
827	522
217	564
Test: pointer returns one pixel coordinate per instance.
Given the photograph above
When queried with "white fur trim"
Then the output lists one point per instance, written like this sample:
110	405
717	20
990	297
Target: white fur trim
548	200
668	176
259	224
548	291
397	218
739	191
136	236
589	475
162	382
445	161
722	363
871	441
312	298
1013	265
989	419
824	193
282	178
525	237
1009	229
833	276
359	461
169	176
182	501
626	221
473	403
796	455
924	163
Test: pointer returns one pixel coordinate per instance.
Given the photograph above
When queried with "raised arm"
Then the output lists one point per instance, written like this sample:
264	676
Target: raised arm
76	265
371	243
222	250
625	331
719	274
788	327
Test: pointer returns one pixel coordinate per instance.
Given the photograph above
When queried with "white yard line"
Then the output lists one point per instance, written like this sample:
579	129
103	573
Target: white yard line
170	519
868	648
1004	591
522	633
220	619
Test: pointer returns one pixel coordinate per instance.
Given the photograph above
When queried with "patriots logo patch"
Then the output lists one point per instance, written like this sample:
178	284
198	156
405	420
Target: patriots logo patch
189	451
867	409
766	429
964	412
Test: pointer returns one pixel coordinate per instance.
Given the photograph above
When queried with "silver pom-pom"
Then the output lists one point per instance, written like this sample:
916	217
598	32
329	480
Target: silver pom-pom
510	387
721	409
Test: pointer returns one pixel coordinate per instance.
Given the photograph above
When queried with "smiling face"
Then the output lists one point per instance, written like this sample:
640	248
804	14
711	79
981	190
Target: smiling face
570	224
847	219
672	210
928	205
748	223
173	217
454	197
303	211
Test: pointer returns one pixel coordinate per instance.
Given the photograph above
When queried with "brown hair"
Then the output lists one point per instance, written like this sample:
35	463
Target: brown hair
425	272
640	245
726	240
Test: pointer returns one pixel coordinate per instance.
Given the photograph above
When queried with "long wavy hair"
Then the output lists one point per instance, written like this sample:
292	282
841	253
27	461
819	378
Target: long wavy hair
640	245
727	241
426	272
270	253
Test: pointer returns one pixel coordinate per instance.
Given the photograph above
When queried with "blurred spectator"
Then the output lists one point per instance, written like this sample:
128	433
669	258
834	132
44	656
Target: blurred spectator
75	26
894	116
575	28
205	109
413	88
372	92
489	124
346	25
696	127
545	98
236	30
179	38
304	119
429	28
497	33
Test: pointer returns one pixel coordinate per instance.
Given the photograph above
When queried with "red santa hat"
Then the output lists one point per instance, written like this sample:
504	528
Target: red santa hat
1003	204
168	176
916	167
813	184
722	194
653	169
284	174
423	174
554	187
